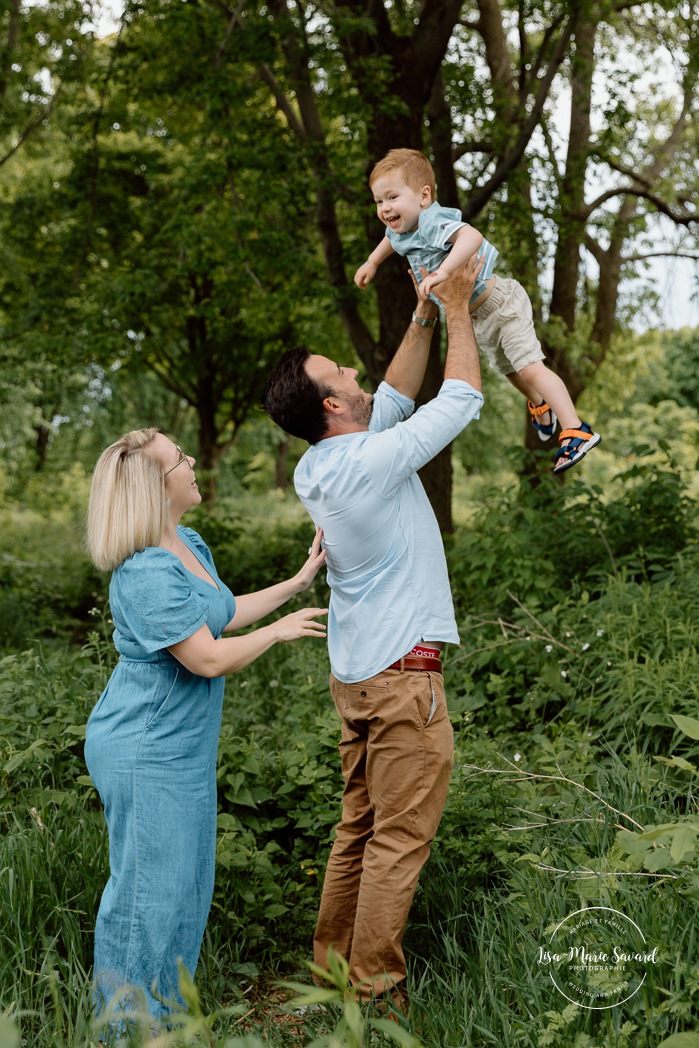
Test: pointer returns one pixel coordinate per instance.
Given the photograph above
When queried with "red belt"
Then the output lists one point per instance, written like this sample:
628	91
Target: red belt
417	662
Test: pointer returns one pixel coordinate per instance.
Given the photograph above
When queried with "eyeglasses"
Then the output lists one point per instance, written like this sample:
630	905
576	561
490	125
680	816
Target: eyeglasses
181	459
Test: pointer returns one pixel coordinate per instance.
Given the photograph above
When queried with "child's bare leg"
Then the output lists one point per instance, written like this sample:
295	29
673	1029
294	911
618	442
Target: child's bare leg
549	386
532	394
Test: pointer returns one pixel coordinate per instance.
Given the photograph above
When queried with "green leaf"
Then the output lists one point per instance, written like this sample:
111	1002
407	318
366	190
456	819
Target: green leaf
75	729
631	843
275	909
395	1033
19	758
687	725
677	762
9	1034
312	995
656	832
684	842
681	1040
658	860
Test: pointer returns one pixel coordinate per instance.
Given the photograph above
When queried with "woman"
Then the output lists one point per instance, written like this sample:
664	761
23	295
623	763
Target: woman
152	738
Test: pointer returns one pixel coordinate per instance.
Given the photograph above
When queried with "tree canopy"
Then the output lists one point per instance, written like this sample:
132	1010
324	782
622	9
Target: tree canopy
189	195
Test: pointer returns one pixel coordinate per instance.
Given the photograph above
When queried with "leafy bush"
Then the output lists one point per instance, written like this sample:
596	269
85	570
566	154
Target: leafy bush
574	701
47	581
249	554
544	545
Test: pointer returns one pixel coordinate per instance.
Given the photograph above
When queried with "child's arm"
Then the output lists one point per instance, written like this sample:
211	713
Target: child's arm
366	272
466	242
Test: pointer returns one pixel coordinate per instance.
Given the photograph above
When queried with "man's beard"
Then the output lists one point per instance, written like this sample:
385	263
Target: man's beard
361	407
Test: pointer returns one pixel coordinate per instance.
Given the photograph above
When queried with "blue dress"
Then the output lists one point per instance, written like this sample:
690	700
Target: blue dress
151	748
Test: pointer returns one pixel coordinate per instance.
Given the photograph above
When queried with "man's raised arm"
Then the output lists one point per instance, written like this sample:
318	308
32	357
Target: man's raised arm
462	361
407	369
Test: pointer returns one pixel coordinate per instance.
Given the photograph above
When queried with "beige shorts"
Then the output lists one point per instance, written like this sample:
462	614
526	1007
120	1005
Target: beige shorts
504	328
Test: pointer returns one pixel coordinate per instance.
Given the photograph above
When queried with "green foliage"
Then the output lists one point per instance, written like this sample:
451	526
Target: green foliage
678	378
354	1024
53	851
280	788
575	709
558	822
584	534
248	553
48	582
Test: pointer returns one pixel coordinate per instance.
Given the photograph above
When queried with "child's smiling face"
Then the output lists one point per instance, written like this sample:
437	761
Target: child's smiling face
398	205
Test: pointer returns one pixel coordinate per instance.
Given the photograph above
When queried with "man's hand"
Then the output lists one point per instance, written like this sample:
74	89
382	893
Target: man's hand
459	286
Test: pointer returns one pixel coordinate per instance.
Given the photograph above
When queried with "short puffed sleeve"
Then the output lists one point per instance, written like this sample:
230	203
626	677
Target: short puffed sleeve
153	602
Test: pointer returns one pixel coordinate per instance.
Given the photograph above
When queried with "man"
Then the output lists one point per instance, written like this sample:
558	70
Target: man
390	614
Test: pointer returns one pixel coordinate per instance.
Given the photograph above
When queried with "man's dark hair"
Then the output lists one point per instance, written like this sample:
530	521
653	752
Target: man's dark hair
293	400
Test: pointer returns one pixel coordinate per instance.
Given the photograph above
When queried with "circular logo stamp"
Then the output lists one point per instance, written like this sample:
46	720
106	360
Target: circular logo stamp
597	957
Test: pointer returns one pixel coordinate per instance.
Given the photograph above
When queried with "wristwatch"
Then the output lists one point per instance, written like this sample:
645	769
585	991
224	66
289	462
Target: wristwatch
422	322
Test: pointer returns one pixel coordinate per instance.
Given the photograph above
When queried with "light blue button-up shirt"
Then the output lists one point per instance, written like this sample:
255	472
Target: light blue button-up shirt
385	559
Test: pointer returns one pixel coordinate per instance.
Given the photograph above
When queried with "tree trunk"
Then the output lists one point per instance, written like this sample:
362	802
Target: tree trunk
437	475
280	464
210	449
41	446
414	62
571	228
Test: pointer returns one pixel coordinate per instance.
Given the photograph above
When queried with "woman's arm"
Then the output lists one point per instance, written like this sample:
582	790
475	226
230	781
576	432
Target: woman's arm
251	607
207	656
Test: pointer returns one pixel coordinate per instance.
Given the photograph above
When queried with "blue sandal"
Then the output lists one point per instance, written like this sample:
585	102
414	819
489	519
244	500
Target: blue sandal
545	431
580	441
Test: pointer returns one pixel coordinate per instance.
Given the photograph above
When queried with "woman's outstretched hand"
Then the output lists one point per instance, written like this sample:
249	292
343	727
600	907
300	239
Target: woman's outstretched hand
301	624
316	559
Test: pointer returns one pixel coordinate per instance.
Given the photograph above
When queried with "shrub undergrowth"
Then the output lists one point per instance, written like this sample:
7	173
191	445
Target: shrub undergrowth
574	700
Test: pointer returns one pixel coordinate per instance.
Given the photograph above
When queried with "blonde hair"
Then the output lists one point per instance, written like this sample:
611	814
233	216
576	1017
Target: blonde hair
126	511
414	167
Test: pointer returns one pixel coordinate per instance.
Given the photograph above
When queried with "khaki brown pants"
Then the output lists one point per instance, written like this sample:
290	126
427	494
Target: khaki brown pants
397	750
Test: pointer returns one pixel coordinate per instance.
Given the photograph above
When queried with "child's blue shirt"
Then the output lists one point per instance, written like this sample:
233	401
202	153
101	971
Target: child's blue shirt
427	246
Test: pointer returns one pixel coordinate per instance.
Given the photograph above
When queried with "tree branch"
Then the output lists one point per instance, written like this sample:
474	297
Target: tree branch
309	130
283	103
680	219
595	249
636	176
511	157
661	254
12	37
222	47
31	128
482	146
539	60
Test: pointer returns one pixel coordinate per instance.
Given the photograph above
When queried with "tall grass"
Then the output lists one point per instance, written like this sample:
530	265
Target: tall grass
534	845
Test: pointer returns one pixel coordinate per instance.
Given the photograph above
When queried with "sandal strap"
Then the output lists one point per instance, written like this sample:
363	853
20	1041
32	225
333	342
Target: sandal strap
536	412
573	434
